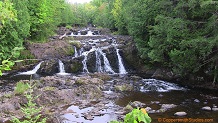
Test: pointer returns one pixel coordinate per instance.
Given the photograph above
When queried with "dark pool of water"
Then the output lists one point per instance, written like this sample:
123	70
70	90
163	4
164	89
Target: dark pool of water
185	100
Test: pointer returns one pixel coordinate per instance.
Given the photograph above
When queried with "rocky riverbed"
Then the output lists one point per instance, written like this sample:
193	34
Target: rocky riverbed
102	94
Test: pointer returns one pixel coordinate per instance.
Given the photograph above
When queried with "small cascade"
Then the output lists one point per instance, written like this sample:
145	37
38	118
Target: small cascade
107	66
89	33
61	69
31	72
81	51
158	85
85	54
98	61
122	69
75	52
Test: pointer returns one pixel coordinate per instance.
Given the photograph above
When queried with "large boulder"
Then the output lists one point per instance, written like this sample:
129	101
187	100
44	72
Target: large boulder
52	49
49	67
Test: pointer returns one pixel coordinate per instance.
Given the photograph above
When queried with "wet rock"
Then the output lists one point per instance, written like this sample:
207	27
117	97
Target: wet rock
214	109
88	80
168	106
165	107
76	115
207	108
196	100
49	67
84	32
148	109
163	74
52	49
88	117
135	78
102	76
155	102
137	104
88	92
124	87
182	113
128	108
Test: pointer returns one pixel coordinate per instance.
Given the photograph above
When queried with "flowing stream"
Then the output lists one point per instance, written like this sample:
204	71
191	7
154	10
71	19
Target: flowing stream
31	72
61	69
101	55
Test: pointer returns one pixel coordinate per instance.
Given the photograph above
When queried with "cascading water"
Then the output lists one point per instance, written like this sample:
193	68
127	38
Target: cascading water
31	72
98	61
61	69
158	85
75	52
107	66
85	54
81	51
89	33
122	69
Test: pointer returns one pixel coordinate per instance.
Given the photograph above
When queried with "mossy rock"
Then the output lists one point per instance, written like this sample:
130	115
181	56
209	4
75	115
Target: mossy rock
124	87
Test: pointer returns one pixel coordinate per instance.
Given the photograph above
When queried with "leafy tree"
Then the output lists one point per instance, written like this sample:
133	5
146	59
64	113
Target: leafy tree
22	24
67	16
118	17
8	35
45	15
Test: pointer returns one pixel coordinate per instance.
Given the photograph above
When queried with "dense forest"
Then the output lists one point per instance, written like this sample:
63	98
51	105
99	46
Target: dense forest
178	34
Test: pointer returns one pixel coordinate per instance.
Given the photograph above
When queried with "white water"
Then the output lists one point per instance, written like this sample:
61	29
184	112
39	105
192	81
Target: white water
122	69
89	33
79	33
159	86
85	54
107	66
75	52
81	51
98	61
61	69
31	72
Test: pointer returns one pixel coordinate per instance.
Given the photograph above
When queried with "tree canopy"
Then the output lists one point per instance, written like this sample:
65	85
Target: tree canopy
178	34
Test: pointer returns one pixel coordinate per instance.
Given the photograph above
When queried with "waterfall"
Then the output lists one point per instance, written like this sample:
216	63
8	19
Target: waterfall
31	72
75	52
122	69
85	68
98	61
85	54
107	66
61	68
81	51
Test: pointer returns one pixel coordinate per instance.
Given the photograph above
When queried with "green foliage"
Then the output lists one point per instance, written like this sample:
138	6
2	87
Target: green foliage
181	35
7	12
136	116
31	111
26	19
22	24
21	87
45	15
7	64
118	17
